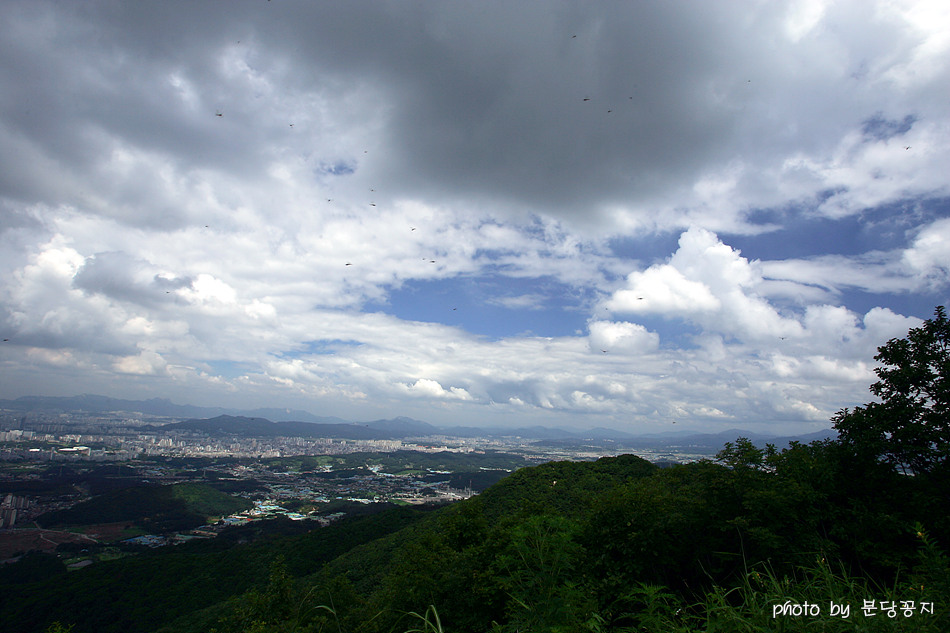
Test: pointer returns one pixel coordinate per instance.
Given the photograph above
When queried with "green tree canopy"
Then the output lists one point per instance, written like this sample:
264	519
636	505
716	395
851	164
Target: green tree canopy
909	428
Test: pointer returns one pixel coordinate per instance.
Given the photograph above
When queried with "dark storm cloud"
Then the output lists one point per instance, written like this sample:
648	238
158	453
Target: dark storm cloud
489	99
546	106
85	84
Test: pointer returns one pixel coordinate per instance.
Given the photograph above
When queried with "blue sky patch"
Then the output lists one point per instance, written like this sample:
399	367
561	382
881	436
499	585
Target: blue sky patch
230	369
879	128
338	169
882	228
492	306
648	248
322	346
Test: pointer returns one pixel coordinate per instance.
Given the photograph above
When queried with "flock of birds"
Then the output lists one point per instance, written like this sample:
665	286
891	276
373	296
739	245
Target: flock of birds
585	99
219	113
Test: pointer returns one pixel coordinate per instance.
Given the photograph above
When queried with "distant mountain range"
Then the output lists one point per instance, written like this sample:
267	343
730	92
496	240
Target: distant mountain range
159	407
273	422
241	426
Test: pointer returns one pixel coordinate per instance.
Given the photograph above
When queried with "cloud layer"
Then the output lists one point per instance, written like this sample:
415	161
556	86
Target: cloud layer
463	212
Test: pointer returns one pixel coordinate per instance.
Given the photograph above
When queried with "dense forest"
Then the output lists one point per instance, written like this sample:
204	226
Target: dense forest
155	508
837	535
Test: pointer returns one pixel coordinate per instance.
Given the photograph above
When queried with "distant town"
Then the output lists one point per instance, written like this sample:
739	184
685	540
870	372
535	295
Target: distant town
63	469
81	436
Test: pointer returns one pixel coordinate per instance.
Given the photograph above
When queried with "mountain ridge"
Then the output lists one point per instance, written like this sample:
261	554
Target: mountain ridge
272	422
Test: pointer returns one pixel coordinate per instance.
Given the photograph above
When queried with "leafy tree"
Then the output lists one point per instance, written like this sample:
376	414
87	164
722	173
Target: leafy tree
744	455
909	429
280	607
539	570
671	529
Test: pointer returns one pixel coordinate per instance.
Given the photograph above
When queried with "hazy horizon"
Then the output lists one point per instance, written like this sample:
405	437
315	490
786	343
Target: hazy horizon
283	414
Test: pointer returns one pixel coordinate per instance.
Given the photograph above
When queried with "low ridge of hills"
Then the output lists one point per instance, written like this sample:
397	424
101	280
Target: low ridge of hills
277	422
241	426
159	407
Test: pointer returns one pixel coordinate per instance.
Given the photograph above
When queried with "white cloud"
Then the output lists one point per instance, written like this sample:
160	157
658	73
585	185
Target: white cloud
929	255
145	364
206	290
708	283
662	289
610	336
924	264
526	301
803	16
432	389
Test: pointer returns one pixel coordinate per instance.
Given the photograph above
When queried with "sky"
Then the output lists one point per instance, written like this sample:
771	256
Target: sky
646	216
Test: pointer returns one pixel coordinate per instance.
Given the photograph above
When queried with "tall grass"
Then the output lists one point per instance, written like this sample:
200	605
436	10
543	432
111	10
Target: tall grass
429	621
821	597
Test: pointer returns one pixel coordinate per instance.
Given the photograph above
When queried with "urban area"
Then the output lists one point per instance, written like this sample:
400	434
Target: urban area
55	467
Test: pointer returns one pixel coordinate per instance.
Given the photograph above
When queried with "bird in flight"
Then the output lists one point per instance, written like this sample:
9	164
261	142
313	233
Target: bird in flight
218	113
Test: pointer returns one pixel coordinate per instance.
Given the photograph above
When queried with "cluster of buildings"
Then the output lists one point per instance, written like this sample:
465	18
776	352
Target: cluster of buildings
59	441
16	435
10	507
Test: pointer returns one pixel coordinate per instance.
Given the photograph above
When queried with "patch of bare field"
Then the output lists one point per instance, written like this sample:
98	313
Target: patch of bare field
22	540
19	541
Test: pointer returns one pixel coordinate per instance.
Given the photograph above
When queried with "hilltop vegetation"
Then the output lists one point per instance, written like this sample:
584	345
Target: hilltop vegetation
620	545
612	545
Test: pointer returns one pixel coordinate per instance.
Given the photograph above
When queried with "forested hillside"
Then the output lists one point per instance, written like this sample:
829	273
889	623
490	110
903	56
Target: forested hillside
157	508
